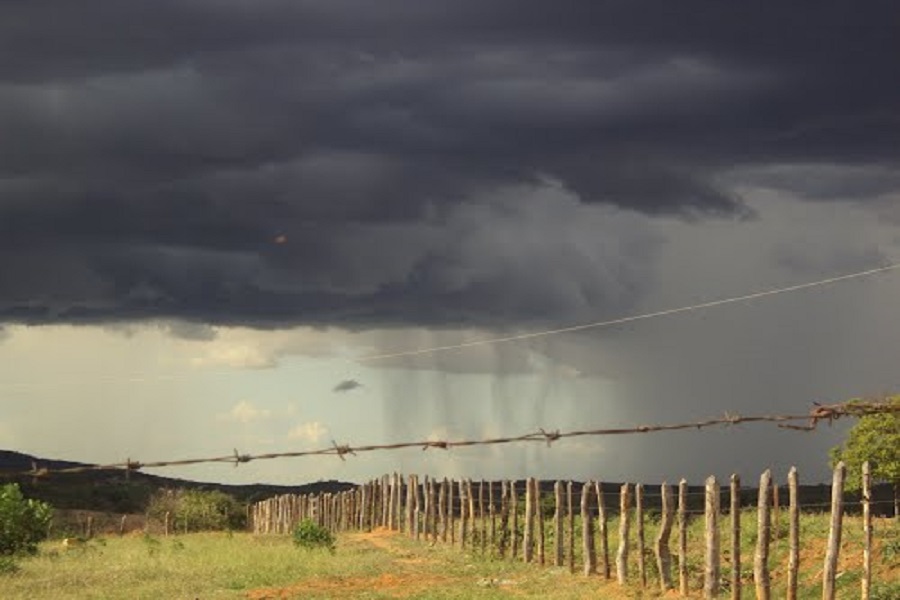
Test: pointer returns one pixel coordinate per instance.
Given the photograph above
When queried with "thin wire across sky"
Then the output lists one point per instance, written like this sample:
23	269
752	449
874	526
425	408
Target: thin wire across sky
640	317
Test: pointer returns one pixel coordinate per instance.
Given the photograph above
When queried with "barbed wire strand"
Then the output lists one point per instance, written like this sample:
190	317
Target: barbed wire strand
622	320
819	413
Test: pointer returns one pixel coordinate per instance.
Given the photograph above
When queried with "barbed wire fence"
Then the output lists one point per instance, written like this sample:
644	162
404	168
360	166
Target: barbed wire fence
798	422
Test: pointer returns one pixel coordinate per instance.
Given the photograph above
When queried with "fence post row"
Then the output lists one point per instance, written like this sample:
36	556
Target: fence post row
428	508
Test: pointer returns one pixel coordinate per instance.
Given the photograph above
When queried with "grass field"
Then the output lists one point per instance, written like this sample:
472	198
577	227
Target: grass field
386	565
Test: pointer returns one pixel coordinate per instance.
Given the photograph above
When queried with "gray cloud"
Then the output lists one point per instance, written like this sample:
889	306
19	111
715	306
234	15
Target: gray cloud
337	163
347	385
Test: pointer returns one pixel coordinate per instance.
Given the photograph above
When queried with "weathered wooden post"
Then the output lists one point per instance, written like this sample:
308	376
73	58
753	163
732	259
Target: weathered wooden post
682	538
504	517
463	516
539	522
866	583
624	524
713	561
641	540
776	515
492	513
442	509
482	524
559	535
763	537
451	513
411	507
832	553
528	536
432	501
571	518
603	525
587	531
471	495
418	521
793	534
735	537
385	499
514	510
663	554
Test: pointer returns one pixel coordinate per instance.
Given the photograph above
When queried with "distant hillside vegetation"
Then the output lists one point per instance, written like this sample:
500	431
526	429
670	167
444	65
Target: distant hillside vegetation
121	492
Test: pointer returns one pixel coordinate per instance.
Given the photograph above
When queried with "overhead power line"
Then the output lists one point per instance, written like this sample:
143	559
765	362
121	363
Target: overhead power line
640	317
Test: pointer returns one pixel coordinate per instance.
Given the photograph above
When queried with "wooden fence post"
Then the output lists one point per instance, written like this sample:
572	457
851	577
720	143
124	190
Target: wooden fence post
834	534
571	519
410	507
463	514
663	554
763	537
622	550
514	520
385	499
493	516
504	517
711	512
442	509
539	522
417	510
559	534
776	515
866	583
482	527
639	523
451	513
432	501
587	532
471	496
793	534
528	537
735	515
682	538
603	519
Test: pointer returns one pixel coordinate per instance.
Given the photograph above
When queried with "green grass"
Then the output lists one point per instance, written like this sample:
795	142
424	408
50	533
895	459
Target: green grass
220	565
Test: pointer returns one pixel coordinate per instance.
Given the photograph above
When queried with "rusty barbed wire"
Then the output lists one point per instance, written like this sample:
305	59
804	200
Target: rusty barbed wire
817	414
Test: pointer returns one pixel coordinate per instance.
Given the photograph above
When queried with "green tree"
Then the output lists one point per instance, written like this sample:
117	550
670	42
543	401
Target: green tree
23	522
198	510
874	438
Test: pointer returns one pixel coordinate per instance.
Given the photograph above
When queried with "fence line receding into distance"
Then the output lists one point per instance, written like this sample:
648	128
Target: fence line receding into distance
525	518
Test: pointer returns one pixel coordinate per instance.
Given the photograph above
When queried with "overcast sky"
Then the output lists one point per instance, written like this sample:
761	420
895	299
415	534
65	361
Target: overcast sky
211	210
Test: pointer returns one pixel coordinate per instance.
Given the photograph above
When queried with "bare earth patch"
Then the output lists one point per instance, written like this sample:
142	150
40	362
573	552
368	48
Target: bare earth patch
397	585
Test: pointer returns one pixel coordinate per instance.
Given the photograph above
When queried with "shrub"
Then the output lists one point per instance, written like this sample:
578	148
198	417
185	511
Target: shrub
198	510
23	522
311	535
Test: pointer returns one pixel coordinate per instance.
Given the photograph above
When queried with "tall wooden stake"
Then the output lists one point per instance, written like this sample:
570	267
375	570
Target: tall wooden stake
829	571
713	562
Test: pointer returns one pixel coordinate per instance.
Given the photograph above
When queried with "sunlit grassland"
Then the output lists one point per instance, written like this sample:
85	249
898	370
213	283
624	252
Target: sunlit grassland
381	565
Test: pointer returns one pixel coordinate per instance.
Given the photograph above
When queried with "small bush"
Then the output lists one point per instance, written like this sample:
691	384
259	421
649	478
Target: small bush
8	565
23	522
198	510
885	591
311	535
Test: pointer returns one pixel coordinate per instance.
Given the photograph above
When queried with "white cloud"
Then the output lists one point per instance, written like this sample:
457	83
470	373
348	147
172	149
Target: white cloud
241	356
245	412
312	432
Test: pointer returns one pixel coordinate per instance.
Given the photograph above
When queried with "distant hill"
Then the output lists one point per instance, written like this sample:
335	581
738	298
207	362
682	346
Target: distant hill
121	492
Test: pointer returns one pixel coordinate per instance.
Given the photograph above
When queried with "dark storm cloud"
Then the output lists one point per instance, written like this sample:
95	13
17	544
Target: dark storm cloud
282	162
347	385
